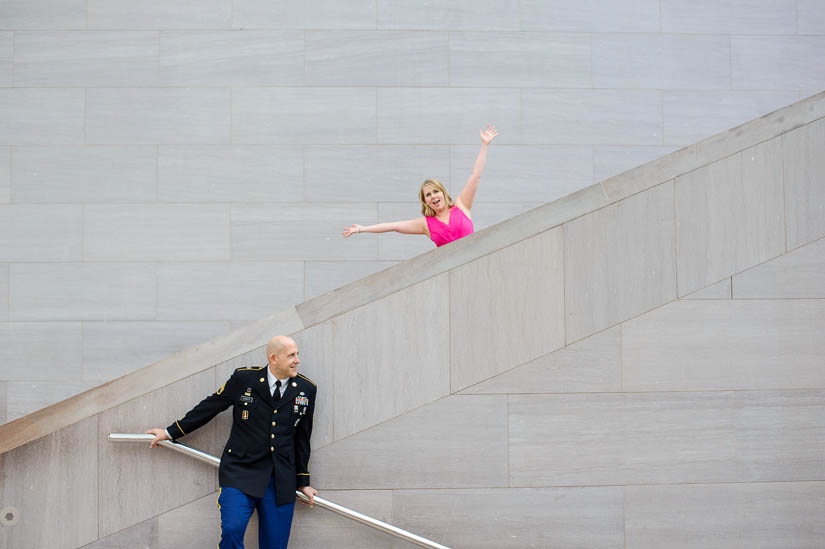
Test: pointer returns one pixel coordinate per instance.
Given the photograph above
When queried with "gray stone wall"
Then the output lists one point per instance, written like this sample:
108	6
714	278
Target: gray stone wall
172	170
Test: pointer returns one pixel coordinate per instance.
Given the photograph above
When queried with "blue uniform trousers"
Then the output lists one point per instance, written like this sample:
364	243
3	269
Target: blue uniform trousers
274	521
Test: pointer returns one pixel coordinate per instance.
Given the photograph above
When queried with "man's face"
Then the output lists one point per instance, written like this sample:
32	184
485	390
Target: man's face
285	363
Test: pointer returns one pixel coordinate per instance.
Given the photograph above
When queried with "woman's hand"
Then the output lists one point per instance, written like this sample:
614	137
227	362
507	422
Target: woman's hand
349	231
488	134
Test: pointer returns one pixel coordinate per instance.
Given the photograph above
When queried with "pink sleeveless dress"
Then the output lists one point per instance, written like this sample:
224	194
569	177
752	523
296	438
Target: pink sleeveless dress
459	226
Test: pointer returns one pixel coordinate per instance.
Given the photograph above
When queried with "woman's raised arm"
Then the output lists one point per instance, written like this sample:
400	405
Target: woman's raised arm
409	226
468	193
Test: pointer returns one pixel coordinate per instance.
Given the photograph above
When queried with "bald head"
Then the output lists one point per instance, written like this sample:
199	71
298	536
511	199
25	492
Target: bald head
282	354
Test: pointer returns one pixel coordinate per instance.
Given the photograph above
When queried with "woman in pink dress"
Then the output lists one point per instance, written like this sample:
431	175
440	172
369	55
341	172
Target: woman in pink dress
443	220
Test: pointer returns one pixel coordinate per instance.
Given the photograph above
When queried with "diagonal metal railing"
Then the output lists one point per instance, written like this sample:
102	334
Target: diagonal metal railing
320	502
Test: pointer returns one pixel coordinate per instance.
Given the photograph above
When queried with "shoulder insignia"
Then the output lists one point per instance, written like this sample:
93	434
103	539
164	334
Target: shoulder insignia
306	378
256	368
219	391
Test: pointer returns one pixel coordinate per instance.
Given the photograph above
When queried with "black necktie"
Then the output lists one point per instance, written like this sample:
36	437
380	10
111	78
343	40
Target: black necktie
276	394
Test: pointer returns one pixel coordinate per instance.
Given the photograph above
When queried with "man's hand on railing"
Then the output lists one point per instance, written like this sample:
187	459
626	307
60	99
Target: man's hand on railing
310	493
160	434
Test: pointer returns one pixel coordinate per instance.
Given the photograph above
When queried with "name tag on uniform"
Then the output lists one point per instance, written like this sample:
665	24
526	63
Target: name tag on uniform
247	398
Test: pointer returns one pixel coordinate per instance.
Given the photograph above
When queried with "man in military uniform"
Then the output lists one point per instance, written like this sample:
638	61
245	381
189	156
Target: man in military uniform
267	455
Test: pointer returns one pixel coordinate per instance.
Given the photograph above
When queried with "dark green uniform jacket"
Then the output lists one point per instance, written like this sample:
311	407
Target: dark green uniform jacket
268	436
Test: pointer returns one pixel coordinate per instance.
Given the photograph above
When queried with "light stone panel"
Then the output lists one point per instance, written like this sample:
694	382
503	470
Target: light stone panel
232	58
84	174
613	160
519	59
787	514
803	170
372	173
230	173
40	232
619	262
162	232
6	58
301	231
5	174
589	16
718	290
312	528
126	466
600	117
325	276
143	535
447	115
523	173
82	291
54	485
661	61
729	16
621	439
729	216
193	116
116	348
456	15
159	14
414	353
303	115
811	16
446	444
523	289
27	350
86	58
319	363
195	524
5	291
514	518
228	290
41	116
798	274
43	14
794	62
310	14
725	344
25	397
3	409
376	58
591	365
693	115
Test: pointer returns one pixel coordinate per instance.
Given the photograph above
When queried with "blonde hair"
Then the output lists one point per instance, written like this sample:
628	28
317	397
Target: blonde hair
436	184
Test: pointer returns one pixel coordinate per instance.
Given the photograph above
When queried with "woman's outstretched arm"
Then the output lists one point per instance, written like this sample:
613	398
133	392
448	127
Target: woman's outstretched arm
468	193
410	226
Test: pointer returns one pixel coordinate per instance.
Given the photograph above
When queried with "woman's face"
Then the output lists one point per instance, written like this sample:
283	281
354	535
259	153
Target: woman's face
434	198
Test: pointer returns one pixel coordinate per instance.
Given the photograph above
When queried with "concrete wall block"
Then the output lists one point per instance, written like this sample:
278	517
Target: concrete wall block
725	344
786	514
228	290
5	292
82	291
40	232
302	231
126	498
84	174
230	173
364	370
602	117
311	14
41	116
325	276
798	274
456	15
157	115
619	262
370	173
523	173
693	115
303	115
729	16
195	524
523	289
159	14
811	16
86	58
518	59
53	483
27	350
661	61
318	363
163	232
590	16
6	58
803	170
729	216
43	14
5	174
376	58
590	365
794	62
3	408
613	160
407	115
232	58
312	529
718	290
143	535
444	444
25	397
540	517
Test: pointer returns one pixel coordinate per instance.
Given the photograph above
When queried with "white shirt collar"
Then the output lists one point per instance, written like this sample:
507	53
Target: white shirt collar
270	377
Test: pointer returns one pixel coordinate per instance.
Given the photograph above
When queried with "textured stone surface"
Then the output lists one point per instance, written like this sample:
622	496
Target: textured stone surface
44	14
27	350
729	16
794	62
5	174
718	290
143	535
319	363
324	276
456	15
4	292
591	16
612	160
24	397
797	274
316	527
159	14
196	524
804	169
40	233
312	14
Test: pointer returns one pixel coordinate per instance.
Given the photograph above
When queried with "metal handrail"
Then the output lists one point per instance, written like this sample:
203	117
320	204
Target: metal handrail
320	502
